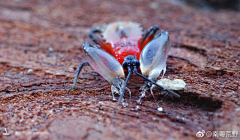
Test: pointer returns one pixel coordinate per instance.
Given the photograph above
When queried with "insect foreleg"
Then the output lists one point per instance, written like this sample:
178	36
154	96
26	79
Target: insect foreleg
149	35
77	74
95	38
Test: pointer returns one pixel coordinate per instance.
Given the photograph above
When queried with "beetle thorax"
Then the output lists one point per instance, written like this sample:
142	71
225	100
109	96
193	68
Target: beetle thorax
124	38
120	30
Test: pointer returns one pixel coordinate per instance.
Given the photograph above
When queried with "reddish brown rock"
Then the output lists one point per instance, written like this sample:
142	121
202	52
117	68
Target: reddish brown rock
40	49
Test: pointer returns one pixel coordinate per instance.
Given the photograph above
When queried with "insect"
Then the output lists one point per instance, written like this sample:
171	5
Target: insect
122	45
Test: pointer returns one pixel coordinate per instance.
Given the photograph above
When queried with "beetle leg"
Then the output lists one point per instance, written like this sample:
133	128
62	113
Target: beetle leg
99	41
95	38
151	89
114	90
144	88
164	71
118	91
129	91
149	35
76	75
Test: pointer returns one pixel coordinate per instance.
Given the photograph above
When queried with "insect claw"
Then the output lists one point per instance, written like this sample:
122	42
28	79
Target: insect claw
76	75
139	101
72	89
113	98
143	94
69	90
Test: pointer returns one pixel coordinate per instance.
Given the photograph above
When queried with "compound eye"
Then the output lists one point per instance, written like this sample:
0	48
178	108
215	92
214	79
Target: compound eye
137	63
154	56
125	65
103	63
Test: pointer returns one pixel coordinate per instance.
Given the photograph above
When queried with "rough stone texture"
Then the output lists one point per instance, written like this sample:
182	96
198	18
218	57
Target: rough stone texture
216	4
40	48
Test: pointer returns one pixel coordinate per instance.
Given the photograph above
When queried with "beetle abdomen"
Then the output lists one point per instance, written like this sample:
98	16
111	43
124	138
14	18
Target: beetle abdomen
124	38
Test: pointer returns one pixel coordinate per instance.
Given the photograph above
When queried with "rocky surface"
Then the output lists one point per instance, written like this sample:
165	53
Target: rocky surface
40	49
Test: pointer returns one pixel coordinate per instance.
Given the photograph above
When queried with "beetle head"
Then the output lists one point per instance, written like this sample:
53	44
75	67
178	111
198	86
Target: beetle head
130	61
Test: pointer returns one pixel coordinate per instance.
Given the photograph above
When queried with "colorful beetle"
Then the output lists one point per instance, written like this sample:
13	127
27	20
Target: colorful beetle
123	46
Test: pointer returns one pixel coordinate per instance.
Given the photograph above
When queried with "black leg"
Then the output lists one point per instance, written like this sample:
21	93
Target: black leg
169	91
124	86
105	46
77	74
149	35
94	37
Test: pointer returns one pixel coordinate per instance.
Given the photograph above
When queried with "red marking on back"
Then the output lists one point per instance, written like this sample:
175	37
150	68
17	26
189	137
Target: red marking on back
122	39
122	49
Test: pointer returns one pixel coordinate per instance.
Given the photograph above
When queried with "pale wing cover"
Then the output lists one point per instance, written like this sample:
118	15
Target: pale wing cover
154	56
105	64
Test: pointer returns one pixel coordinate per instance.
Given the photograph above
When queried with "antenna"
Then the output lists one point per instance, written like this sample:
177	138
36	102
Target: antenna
131	64
140	75
125	84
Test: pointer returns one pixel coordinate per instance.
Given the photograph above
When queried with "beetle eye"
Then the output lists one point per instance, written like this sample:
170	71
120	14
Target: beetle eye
125	65
154	56
131	61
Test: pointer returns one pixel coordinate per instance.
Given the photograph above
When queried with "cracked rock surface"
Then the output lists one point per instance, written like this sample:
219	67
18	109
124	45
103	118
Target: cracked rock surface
40	49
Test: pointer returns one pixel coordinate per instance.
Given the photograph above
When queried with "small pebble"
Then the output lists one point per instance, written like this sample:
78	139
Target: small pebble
50	49
160	109
176	84
137	107
101	102
125	104
153	5
30	71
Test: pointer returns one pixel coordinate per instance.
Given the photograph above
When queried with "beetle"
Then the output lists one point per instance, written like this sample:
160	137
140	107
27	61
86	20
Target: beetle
122	45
